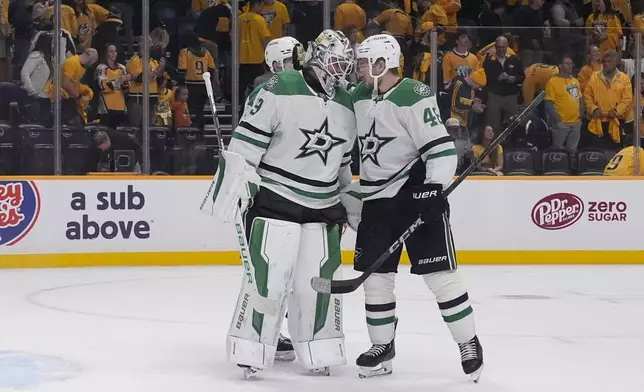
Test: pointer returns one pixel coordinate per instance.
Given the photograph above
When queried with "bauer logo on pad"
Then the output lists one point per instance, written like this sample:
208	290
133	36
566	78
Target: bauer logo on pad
19	210
557	211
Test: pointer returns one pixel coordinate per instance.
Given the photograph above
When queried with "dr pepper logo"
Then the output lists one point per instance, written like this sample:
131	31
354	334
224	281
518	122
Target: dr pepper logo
557	211
19	210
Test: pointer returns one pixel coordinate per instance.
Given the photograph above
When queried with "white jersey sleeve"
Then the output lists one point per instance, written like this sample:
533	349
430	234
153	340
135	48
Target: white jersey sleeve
435	146
253	135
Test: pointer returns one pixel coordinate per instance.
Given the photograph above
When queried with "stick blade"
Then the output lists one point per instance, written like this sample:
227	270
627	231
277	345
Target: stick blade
321	285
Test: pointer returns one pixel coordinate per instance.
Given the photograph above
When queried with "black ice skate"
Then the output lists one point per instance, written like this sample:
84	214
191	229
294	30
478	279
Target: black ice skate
377	360
285	350
472	358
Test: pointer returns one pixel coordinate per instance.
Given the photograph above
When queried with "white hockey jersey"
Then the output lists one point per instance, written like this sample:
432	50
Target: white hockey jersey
299	142
397	130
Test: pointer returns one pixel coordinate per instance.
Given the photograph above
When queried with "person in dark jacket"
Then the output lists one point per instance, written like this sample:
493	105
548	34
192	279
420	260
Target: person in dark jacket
530	17
100	156
20	19
504	77
108	33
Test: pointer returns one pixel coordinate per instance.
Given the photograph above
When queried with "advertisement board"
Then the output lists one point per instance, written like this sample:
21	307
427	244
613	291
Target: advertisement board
129	221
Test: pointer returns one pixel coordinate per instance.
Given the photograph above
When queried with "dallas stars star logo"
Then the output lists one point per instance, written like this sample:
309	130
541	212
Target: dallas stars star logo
371	144
319	142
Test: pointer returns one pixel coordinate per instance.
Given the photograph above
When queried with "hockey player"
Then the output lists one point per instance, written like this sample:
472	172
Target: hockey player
278	57
296	135
407	159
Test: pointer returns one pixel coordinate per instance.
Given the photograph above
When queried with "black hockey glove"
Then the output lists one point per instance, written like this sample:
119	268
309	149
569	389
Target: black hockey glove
429	201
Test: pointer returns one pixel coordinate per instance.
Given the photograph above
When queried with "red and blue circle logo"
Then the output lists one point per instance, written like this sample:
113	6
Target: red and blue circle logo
19	210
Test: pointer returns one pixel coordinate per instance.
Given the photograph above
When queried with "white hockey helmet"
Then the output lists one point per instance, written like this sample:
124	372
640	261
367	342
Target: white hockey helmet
379	46
331	57
278	50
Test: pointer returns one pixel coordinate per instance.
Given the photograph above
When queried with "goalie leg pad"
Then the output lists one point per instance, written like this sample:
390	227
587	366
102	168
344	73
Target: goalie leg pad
255	328
315	320
380	306
454	304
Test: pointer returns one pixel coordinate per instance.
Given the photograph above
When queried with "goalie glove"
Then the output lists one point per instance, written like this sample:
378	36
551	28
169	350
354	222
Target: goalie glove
351	199
232	188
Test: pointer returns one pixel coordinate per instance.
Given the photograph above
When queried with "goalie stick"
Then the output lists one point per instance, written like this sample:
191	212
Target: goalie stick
328	286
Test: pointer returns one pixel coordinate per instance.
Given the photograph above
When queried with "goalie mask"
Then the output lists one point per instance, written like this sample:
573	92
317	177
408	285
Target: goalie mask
331	58
280	51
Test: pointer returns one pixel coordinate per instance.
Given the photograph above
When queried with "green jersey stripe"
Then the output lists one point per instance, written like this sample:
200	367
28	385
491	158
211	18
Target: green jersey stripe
434	143
251	128
250	140
445	153
301	192
296	178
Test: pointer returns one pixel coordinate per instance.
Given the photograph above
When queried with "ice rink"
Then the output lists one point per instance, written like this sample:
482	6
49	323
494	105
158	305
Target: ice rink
555	329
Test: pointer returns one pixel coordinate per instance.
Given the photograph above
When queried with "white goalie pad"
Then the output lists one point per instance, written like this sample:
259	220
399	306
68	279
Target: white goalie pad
315	320
351	199
233	182
268	275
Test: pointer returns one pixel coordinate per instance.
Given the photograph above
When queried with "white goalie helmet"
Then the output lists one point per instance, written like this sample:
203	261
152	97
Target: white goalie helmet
331	57
379	46
278	50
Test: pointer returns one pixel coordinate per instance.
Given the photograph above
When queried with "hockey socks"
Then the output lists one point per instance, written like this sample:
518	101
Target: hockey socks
380	306
454	304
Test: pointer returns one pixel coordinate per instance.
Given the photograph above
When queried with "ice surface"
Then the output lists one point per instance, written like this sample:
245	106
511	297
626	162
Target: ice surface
555	329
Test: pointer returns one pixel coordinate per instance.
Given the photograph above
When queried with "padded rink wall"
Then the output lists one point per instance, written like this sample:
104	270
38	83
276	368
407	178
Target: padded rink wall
139	221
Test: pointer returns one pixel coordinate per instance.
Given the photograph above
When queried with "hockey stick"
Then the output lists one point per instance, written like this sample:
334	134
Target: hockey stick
328	286
262	304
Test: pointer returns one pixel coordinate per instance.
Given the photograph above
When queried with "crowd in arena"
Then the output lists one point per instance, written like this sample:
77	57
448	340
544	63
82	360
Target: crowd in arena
493	58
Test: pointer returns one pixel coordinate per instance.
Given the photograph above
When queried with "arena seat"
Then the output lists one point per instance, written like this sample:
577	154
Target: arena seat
75	144
519	162
8	150
591	162
555	162
37	150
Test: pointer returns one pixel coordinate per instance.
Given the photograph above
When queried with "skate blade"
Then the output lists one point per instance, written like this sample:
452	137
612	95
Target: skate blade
250	373
477	374
382	369
285	356
325	371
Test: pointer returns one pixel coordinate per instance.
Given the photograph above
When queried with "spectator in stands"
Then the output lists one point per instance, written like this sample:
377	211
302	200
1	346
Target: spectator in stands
307	17
530	18
351	32
396	22
254	35
22	23
608	97
194	61
491	19
39	9
180	107
276	16
461	141
67	46
604	27
490	49
125	10
567	37
564	107
536	78
108	34
593	64
134	67
493	163
5	33
348	13
113	81
85	20
74	93
631	116
35	75
217	41
504	76
163	110
100	156
451	7
434	16
459	61
463	102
